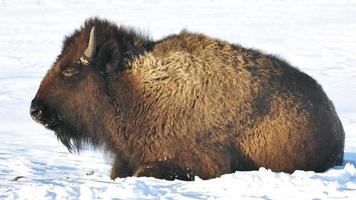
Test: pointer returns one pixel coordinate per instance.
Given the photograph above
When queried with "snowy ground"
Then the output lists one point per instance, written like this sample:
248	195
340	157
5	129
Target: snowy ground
317	36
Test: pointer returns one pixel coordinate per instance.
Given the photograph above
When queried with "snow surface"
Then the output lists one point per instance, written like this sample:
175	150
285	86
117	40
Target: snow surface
318	36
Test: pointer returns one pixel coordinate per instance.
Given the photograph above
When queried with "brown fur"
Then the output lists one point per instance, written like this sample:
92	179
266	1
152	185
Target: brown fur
188	105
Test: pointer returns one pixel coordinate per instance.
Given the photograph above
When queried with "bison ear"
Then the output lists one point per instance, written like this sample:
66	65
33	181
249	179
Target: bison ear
112	58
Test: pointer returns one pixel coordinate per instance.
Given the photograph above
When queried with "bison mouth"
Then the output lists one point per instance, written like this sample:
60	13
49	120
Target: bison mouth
41	114
50	122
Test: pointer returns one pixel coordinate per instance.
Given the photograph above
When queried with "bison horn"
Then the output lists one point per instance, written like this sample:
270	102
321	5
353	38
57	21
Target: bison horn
89	53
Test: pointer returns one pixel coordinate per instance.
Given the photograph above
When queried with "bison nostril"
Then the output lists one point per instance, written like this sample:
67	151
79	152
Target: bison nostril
34	111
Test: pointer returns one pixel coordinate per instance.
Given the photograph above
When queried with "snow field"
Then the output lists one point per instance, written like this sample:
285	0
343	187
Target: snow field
318	37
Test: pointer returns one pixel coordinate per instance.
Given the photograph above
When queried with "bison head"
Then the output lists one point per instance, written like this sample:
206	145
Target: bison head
74	99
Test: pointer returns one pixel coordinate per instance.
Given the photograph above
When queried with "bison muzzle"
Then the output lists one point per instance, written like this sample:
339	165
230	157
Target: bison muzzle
186	105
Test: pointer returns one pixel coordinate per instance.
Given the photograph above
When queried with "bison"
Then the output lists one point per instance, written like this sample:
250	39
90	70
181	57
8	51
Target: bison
186	105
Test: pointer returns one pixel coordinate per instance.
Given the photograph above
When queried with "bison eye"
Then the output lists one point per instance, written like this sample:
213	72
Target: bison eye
70	71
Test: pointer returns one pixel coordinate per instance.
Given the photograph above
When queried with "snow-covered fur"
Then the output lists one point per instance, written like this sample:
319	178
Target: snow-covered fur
187	105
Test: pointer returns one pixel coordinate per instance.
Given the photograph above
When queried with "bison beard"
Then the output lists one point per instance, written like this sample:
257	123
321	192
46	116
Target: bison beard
186	105
73	139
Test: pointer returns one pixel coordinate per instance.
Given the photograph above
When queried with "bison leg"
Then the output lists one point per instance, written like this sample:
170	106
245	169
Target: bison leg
120	169
164	170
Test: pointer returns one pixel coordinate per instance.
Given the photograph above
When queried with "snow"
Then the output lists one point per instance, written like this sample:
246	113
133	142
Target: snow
316	36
